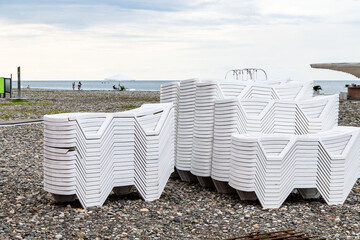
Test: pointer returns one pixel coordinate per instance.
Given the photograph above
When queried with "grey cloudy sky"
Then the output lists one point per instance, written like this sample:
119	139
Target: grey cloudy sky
176	39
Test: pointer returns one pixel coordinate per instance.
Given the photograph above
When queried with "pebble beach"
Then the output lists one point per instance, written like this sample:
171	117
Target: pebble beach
184	211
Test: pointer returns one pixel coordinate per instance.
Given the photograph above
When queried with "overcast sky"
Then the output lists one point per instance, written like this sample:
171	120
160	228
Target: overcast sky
178	39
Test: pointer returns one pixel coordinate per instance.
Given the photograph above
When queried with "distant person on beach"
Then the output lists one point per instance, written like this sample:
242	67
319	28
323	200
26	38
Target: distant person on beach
28	86
79	85
73	85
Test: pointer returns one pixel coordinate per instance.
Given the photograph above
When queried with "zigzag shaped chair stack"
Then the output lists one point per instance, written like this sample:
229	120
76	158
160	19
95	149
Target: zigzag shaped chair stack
288	132
207	93
88	154
196	102
270	167
241	116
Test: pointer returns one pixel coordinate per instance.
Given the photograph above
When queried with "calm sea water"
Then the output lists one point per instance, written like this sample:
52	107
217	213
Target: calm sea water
335	86
137	85
328	86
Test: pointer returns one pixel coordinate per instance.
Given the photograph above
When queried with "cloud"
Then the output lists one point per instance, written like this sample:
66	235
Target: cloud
175	39
155	5
330	11
81	14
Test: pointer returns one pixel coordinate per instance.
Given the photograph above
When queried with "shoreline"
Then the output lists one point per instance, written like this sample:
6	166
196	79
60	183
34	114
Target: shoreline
15	90
94	85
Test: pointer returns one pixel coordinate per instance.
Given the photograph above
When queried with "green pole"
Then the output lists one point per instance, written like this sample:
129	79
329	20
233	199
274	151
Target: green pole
2	86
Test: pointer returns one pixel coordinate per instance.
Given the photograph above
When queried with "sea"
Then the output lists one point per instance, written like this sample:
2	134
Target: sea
95	85
328	86
334	86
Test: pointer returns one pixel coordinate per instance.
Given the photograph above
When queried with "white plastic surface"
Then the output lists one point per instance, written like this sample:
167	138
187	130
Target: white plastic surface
88	154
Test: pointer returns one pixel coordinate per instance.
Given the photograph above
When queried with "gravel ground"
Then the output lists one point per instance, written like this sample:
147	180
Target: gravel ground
184	211
39	102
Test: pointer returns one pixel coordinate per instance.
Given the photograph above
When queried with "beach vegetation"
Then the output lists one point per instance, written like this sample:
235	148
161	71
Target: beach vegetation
56	111
15	113
15	102
130	106
20	102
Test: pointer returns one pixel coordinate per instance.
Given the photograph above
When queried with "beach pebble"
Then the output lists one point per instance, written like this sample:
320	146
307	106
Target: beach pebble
184	211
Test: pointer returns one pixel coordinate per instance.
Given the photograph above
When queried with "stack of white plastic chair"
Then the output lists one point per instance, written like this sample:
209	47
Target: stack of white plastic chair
190	154
169	93
270	167
288	140
267	166
88	154
187	139
154	151
241	116
338	163
317	114
208	92
64	169
186	115
245	116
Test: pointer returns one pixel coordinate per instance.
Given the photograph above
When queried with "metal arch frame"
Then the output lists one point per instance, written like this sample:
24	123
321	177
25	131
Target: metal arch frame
249	72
